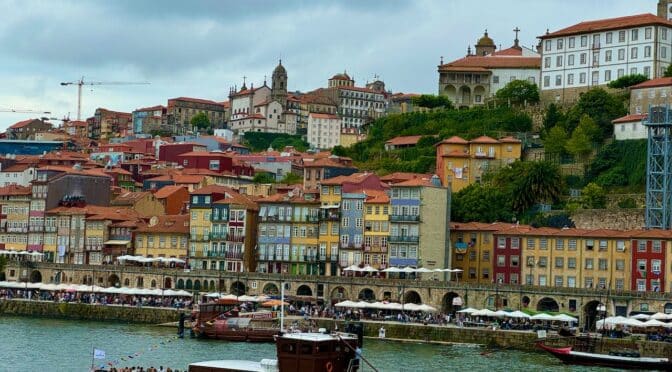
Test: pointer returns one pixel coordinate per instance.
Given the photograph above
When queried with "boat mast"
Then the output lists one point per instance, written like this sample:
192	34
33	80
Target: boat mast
282	307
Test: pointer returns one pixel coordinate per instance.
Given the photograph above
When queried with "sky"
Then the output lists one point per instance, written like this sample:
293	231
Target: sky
202	48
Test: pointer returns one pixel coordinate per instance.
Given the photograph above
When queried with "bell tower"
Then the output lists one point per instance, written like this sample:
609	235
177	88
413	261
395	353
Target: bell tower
665	9
279	85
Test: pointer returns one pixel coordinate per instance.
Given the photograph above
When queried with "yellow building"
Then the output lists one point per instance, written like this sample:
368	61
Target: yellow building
330	221
377	228
472	250
459	162
350	136
163	236
15	201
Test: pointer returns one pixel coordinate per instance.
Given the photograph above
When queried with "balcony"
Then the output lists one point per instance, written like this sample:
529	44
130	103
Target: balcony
309	258
234	255
404	238
235	238
333	258
404	218
330	216
50	228
34	228
17	229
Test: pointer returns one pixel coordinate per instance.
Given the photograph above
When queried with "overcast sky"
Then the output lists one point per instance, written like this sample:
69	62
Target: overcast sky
201	48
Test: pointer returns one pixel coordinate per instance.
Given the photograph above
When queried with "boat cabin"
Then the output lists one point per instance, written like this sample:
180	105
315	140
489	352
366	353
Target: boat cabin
316	352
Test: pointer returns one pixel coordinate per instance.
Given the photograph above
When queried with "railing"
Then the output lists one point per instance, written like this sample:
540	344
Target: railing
234	255
235	238
333	216
36	228
404	238
404	218
17	229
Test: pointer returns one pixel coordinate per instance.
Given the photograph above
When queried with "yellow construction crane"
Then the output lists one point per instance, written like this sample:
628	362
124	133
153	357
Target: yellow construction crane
81	82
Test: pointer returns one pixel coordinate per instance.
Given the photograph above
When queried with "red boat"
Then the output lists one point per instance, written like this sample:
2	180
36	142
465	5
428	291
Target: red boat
621	360
221	320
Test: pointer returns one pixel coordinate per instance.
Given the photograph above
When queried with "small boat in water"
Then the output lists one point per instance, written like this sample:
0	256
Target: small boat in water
221	320
621	360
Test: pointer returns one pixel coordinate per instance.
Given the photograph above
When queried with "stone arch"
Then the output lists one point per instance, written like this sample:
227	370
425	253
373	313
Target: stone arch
206	285
238	288
479	91
140	282
450	91
450	301
270	289
197	285
591	314
189	284
60	276
304	290
153	284
339	294
367	294
212	285
548	304
180	283
127	282
167	283
412	297
36	276
113	280
464	95
525	301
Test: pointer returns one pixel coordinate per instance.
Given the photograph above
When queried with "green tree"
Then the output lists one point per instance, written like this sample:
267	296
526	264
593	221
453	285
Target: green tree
518	92
555	141
580	144
339	151
593	196
668	71
529	183
263	178
200	121
481	203
432	101
601	106
627	81
553	117
291	179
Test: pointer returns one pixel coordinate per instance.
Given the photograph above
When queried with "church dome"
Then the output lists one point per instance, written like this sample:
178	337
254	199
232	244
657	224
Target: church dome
485	40
343	76
280	69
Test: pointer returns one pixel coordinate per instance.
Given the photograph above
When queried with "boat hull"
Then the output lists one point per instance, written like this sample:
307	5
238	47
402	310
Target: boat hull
568	356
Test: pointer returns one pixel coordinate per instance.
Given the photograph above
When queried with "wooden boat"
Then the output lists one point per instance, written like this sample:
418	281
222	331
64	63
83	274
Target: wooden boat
298	352
623	360
221	320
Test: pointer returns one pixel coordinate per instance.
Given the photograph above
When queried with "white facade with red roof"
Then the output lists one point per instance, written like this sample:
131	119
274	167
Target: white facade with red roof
594	53
471	80
324	130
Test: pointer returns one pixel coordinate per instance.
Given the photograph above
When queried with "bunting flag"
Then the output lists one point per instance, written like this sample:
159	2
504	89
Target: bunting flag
137	354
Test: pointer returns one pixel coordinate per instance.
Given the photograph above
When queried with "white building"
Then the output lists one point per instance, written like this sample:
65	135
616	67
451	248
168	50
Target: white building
17	174
324	130
630	127
593	53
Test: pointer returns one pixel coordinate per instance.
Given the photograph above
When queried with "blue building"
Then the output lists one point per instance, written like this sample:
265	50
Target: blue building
352	228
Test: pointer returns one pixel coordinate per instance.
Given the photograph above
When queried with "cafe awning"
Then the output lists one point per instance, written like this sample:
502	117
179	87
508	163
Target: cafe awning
117	242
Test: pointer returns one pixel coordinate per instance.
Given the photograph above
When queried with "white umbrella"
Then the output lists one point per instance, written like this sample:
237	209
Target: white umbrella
642	316
440	270
468	310
423	270
407	270
212	295
346	303
655	323
518	314
631	322
33	285
427	308
352	268
369	269
542	316
501	313
565	318
411	307
484	312
392	269
48	287
659	316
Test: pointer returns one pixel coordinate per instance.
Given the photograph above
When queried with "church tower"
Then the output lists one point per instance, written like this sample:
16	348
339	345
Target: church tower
485	45
279	85
665	9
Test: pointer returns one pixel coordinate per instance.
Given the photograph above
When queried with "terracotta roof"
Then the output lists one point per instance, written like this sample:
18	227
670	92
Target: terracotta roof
659	82
353	178
178	224
323	116
491	62
187	178
152	108
205	154
130	197
212	189
195	100
233	197
653	233
324	162
630	118
403	140
166	191
454	140
609	24
22	123
118	170
479	226
513	51
402	176
19	167
415	182
75	123
484	139
343	76
376	197
509	139
10	190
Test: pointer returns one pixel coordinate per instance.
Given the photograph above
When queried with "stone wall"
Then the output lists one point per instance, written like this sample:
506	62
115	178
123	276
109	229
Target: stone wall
614	199
619	219
88	312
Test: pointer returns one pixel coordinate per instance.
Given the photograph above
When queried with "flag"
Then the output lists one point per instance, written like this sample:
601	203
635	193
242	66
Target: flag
98	354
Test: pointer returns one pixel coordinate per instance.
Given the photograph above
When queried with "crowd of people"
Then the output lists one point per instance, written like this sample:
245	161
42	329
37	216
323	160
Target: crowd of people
140	369
97	298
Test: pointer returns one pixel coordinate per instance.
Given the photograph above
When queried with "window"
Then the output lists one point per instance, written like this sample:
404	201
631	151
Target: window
641	265
647	51
596	59
486	256
655	266
620	283
647	71
641	285
582	58
584	41
570	60
559	244
641	246
558	61
656	246
633	70
501	243
558	281
621	36
609	37
607	56
515	243
633	52
542	280
589	263
559	44
559	262
588	282
495	79
607	75
501	261
647	33
620	265
572	244
602	264
571	262
515	261
547	62
531	243
620	245
547	45
634	34
603	245
543	262
543	244
664	33
621	54
663	52
547	81
558	80
595	77
571	42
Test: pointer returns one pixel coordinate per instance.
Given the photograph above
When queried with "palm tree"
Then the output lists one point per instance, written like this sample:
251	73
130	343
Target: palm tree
530	183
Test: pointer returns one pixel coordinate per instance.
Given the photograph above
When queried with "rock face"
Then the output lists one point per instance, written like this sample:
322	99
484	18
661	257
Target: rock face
619	219
88	312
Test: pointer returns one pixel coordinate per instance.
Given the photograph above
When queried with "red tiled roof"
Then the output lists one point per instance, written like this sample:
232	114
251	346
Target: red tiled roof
153	108
15	190
178	224
216	189
513	51
402	176
609	24
376	197
22	124
484	139
630	118
415	182
455	140
323	116
659	82
20	167
403	140
195	100
324	162
489	62
166	191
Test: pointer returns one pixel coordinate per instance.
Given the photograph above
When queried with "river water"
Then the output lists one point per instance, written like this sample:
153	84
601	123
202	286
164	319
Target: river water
36	344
